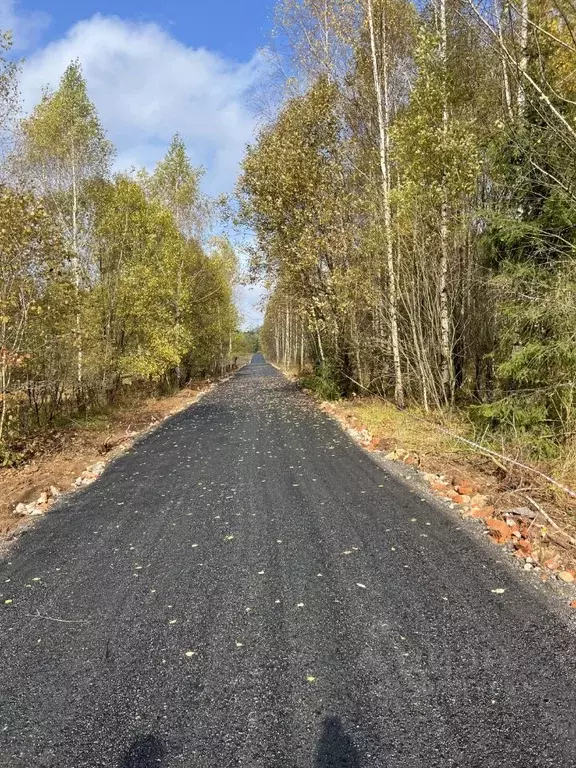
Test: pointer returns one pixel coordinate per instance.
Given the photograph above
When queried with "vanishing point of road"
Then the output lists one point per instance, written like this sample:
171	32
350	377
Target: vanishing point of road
247	587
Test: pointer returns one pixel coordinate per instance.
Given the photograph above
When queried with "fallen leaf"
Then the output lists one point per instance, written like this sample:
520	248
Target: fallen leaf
311	679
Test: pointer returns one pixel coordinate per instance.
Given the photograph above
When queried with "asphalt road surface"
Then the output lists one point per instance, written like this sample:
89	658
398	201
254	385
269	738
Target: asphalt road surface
246	587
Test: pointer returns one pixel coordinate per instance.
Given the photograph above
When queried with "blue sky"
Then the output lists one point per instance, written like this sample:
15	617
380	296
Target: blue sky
234	29
153	69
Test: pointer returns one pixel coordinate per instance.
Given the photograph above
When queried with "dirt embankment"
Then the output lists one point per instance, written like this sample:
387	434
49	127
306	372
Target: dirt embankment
533	520
72	457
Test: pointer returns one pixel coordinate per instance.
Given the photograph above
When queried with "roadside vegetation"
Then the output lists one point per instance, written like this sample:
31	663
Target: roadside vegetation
246	343
413	197
111	287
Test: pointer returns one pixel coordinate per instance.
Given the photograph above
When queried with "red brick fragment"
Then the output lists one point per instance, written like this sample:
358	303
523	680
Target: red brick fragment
466	489
524	547
483	512
499	531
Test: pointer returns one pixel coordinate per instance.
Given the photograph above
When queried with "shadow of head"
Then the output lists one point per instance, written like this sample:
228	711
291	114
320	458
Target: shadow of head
144	752
335	748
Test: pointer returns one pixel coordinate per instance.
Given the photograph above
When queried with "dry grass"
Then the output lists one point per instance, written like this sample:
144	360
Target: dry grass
416	432
564	468
404	428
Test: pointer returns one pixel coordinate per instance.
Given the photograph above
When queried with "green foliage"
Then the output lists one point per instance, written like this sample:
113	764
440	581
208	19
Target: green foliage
438	220
245	342
63	143
324	382
434	161
175	184
521	421
103	280
31	262
65	126
529	246
286	178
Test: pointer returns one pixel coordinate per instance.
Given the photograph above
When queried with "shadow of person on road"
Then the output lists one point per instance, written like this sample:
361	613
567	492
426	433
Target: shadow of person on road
144	752
335	748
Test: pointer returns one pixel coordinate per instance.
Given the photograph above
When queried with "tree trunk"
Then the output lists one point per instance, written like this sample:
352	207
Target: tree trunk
4	388
446	373
76	270
319	339
507	92
523	60
381	84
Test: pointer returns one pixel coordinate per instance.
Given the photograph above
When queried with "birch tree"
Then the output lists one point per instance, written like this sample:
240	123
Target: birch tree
9	71
61	147
30	254
380	75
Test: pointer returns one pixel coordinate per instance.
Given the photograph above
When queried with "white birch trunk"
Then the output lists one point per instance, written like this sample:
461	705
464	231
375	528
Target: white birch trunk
76	270
383	119
506	79
445	344
523	61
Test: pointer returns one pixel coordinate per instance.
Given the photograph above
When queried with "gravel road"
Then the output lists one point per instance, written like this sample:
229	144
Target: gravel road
246	587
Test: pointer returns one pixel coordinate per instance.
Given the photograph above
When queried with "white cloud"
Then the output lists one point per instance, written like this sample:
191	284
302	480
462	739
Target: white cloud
248	299
147	85
26	26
